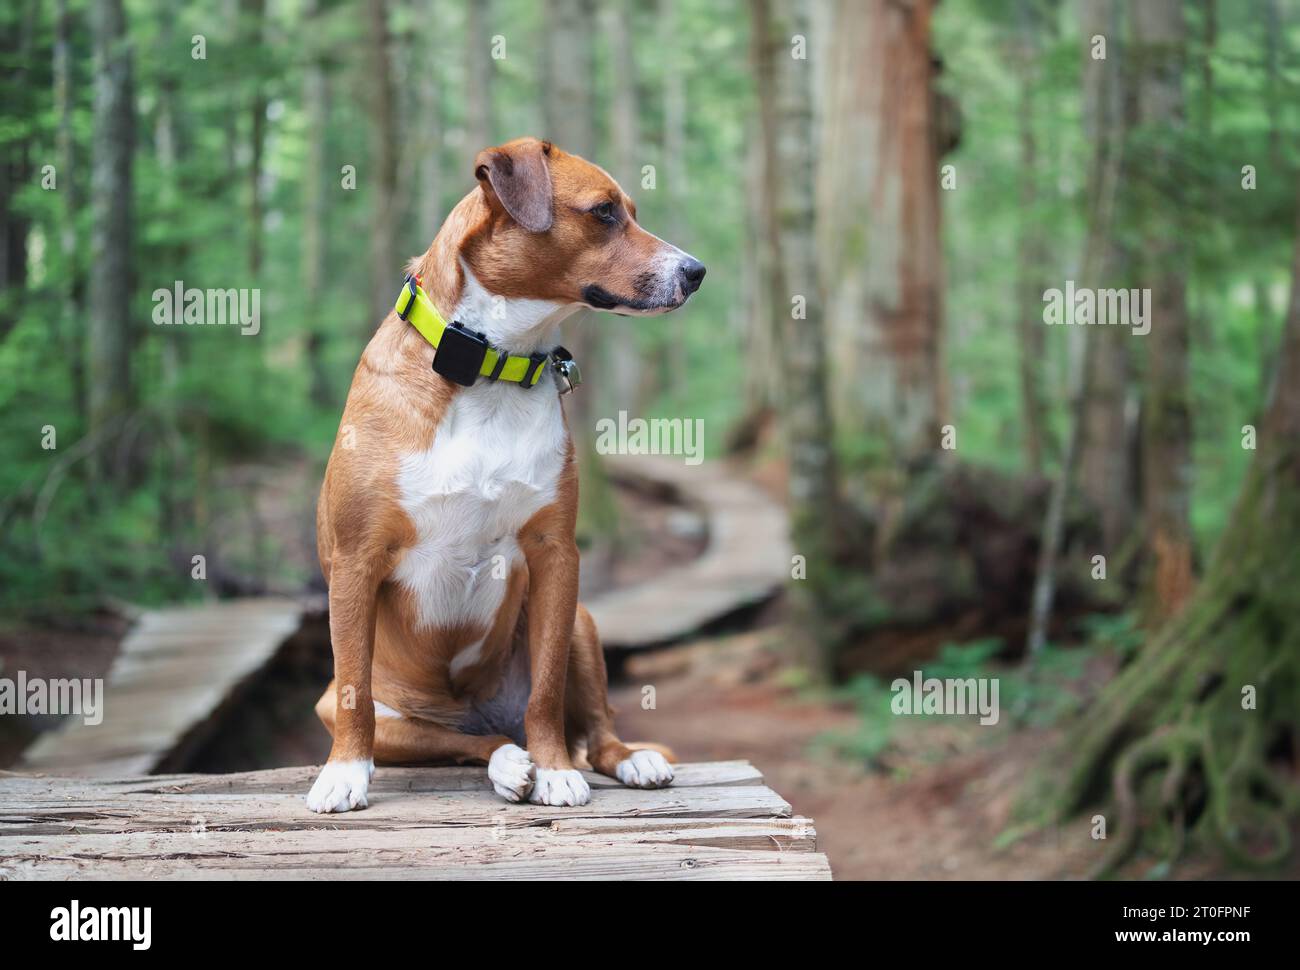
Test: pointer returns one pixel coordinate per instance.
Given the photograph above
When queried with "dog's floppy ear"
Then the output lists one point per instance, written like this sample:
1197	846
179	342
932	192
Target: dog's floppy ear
519	175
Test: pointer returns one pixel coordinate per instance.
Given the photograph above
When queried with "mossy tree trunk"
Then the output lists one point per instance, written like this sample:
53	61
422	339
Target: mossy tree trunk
111	334
1106	476
878	233
1200	733
1159	52
1030	242
787	127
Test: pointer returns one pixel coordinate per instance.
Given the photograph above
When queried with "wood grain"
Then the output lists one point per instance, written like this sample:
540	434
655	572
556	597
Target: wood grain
721	822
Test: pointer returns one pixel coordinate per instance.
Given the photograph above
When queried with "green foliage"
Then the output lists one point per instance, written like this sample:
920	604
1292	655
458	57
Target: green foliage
1239	240
1030	696
876	727
1118	632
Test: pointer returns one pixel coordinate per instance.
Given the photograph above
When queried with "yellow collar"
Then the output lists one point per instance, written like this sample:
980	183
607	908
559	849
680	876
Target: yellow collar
464	355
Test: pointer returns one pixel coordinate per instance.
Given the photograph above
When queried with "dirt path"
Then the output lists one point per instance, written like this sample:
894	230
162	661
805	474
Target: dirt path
935	815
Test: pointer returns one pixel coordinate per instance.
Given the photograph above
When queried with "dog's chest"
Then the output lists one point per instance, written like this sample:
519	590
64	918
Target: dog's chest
495	461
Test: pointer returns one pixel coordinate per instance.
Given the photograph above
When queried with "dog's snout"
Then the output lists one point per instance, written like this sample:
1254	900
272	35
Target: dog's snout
692	271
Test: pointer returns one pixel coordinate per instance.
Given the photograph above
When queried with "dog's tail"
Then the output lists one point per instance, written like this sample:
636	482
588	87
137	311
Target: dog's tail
663	749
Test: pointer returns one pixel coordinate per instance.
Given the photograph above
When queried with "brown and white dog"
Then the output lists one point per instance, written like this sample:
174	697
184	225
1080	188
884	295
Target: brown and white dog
446	520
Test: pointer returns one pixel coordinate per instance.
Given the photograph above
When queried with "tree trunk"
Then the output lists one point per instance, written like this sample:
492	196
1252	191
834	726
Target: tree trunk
623	356
429	189
1031	245
623	127
385	270
786	114
1159	49
478	83
878	212
74	284
567	75
673	175
15	164
1205	719
1096	439
110	335
254	17
762	325
1106	475
764	318
315	208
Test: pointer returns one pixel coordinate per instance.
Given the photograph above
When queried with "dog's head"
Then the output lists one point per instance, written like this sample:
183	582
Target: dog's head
560	229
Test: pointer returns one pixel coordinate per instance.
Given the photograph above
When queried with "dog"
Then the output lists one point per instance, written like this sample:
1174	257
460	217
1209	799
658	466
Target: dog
445	525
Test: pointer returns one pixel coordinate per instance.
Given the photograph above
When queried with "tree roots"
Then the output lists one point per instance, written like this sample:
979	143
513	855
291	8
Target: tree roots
1187	755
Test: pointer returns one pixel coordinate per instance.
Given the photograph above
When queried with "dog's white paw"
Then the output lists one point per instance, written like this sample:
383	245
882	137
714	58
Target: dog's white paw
511	772
645	769
560	787
341	786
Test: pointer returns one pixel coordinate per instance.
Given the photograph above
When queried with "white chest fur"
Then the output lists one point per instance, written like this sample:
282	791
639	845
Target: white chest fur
495	461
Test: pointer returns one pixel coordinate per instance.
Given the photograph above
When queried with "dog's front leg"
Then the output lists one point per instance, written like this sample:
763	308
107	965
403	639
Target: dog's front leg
552	599
345	779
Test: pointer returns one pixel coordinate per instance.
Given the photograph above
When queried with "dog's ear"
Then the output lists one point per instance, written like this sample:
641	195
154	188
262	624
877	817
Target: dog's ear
519	176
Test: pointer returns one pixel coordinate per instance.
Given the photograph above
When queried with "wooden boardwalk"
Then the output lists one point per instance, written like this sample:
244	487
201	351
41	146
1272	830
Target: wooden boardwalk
718	821
176	668
746	561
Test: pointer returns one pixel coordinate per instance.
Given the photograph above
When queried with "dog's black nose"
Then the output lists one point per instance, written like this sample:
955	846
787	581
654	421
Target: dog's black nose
692	271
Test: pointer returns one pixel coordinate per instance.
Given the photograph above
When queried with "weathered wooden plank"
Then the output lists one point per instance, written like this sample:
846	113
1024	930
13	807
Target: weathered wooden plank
506	862
774	834
460	778
387	779
82	811
423	823
350	848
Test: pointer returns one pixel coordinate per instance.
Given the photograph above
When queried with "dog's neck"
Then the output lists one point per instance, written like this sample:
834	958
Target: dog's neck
520	326
514	324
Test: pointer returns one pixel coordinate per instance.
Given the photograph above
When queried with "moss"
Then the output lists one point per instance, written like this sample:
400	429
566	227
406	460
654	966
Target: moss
1183	754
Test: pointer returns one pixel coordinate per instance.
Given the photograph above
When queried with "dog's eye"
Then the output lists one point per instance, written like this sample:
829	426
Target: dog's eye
604	212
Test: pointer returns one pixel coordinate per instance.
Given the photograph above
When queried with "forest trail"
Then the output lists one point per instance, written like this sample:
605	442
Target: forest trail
934	808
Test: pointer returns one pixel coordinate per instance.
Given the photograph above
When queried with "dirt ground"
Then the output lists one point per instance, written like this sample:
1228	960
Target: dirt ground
935	814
